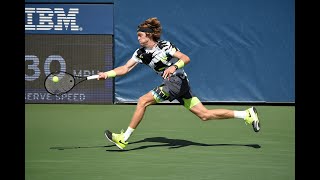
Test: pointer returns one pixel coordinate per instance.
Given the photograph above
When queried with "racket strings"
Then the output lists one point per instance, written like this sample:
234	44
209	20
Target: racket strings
66	83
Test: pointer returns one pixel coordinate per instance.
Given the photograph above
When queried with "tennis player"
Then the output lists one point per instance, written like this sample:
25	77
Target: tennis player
168	62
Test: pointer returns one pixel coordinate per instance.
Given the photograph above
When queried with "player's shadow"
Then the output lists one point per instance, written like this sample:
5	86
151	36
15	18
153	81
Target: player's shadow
165	142
176	143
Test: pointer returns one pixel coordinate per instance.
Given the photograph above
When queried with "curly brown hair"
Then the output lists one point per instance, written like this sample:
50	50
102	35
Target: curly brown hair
154	24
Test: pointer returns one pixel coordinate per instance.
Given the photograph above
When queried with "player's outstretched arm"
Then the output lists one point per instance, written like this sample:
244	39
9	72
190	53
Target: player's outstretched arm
119	71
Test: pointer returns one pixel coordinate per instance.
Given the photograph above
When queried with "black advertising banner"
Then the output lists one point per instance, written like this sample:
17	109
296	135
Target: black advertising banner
81	55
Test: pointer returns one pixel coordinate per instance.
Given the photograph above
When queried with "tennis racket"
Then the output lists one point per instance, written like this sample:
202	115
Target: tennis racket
65	83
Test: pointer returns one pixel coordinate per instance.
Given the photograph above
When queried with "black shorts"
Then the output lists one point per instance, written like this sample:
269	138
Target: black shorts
178	87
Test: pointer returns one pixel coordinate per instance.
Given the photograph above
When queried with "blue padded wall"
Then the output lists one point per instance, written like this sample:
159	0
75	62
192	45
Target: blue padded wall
241	51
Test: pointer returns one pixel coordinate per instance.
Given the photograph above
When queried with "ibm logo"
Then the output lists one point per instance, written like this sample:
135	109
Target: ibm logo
48	22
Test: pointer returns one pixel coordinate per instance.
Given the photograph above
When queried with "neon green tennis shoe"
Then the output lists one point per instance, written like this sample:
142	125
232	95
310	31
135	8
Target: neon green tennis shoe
252	118
117	139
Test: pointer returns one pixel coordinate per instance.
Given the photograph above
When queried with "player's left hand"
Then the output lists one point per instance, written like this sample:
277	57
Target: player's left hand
168	72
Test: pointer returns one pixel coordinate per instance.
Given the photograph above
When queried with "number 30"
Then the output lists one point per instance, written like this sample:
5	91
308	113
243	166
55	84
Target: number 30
35	65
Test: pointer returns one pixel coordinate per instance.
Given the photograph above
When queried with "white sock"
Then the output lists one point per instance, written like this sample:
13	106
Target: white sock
128	133
240	114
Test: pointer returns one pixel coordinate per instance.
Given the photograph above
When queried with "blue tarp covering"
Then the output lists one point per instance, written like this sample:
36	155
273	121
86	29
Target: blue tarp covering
241	51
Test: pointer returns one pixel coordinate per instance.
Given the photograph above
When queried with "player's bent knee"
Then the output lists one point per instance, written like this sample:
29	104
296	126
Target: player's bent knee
203	116
145	101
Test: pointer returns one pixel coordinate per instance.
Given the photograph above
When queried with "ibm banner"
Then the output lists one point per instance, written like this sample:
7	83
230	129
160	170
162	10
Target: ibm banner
72	38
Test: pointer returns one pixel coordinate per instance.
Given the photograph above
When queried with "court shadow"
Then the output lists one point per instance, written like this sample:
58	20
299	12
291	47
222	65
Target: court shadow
165	142
176	143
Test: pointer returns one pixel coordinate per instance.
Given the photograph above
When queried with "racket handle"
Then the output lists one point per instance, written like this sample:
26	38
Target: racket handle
92	77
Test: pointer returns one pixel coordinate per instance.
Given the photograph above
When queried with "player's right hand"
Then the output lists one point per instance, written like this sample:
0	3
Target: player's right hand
102	76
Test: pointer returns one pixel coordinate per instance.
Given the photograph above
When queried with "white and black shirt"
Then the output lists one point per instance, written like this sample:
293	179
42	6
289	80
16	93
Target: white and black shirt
159	57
